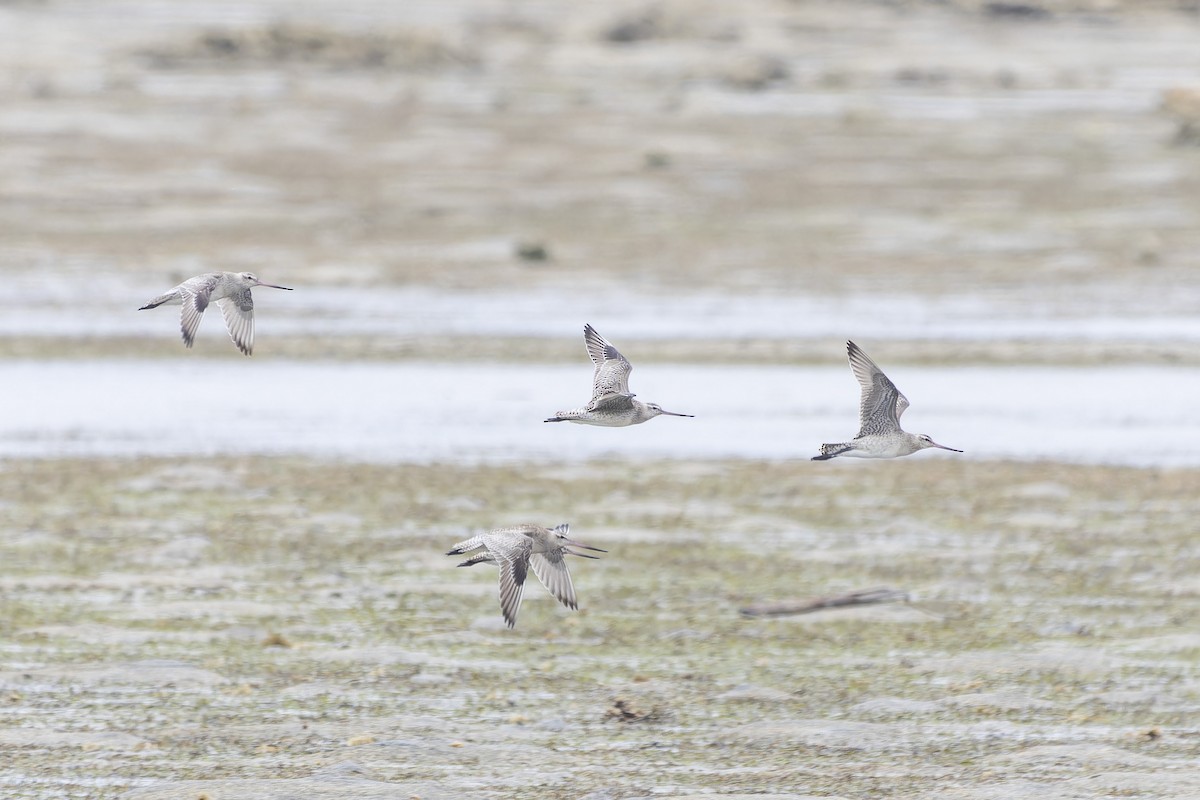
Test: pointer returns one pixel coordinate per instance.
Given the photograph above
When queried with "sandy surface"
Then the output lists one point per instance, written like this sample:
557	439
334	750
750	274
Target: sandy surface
969	184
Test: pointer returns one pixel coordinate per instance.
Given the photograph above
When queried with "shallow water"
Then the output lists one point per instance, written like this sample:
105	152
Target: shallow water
417	412
49	305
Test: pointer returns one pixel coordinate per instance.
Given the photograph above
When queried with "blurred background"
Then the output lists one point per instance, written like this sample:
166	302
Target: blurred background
224	576
952	184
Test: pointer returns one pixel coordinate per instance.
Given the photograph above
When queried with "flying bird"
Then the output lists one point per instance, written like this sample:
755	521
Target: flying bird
882	405
612	404
231	291
520	548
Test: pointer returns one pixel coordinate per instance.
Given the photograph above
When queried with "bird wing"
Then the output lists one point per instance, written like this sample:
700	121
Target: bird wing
514	567
551	569
196	294
238	310
612	368
611	402
881	404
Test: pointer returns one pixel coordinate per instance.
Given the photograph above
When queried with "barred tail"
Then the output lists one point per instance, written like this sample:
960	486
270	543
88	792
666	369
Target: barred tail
166	297
565	416
465	546
155	303
829	451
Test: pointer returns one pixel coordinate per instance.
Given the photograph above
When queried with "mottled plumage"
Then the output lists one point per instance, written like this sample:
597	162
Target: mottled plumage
518	549
879	412
230	290
612	404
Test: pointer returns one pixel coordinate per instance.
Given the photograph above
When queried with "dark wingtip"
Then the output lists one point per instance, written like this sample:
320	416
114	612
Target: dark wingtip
821	458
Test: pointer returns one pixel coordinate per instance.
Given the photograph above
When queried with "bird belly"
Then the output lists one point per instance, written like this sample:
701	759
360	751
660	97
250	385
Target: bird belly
879	448
602	422
619	419
603	419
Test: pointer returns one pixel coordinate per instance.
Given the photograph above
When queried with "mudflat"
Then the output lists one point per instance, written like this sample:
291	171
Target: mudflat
1031	161
272	628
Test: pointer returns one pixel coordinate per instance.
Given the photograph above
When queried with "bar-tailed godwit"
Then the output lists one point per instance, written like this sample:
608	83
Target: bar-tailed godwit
880	409
231	290
518	549
612	404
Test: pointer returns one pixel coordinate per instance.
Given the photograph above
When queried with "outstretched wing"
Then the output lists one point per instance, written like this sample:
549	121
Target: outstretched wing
551	569
881	404
238	310
514	567
195	294
612	368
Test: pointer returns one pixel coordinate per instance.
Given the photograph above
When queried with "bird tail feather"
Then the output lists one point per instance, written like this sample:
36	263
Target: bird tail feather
565	416
829	451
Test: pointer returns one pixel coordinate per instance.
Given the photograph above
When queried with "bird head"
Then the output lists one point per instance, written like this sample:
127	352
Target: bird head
252	279
923	441
560	535
654	409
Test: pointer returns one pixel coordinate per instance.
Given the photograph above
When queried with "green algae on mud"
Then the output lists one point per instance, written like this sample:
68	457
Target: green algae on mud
266	619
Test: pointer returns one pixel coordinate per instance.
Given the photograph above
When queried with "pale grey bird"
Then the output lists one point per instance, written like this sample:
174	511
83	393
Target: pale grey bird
612	404
880	409
517	549
231	291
